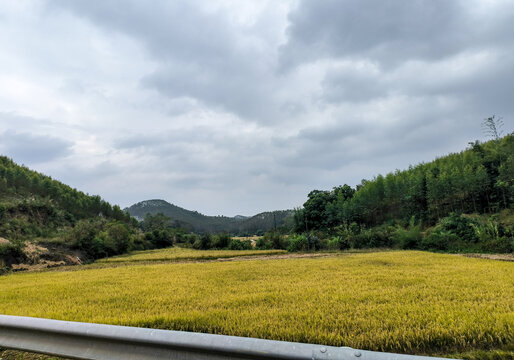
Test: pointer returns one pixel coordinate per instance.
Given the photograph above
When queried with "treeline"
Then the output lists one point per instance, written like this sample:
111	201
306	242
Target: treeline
478	180
159	231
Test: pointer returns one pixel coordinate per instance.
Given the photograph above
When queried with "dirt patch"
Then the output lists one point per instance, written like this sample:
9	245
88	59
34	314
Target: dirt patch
43	264
38	256
4	241
34	252
500	257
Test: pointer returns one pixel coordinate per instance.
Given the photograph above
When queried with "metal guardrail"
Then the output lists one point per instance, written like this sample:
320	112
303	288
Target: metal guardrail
95	341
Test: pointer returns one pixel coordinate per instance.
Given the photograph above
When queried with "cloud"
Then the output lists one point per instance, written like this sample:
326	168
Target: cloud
32	149
200	54
392	32
238	107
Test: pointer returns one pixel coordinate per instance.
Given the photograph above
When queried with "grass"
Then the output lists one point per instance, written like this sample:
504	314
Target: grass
181	254
403	301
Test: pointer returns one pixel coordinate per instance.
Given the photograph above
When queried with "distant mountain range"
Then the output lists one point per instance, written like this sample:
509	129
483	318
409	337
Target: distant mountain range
194	221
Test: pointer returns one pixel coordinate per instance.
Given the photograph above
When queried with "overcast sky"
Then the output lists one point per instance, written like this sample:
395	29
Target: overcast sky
238	107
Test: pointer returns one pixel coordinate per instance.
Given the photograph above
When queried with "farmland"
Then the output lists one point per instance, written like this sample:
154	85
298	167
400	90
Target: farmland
401	301
182	254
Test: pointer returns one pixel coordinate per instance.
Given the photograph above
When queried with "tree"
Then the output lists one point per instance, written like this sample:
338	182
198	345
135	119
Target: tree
158	221
492	127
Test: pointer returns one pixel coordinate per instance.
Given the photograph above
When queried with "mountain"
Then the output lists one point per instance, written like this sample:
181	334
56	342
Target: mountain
194	221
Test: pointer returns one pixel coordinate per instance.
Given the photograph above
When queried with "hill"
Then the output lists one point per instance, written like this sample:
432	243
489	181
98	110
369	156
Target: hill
194	221
458	202
43	221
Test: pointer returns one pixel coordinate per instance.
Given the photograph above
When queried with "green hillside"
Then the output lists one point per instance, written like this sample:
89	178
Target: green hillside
55	220
459	202
194	221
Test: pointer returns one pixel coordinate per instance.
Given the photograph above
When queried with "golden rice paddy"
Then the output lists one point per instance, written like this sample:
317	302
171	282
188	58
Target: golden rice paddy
403	301
181	254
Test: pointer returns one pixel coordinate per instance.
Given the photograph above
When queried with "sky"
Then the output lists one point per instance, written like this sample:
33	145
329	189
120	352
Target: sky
237	107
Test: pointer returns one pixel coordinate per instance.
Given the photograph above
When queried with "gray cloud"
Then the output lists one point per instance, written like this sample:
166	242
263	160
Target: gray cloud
392	32
200	54
240	107
32	149
352	85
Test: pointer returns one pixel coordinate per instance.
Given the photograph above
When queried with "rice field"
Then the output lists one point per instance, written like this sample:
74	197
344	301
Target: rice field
182	254
401	301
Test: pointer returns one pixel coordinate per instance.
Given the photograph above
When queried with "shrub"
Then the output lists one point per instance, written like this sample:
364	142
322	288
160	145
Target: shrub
140	242
203	243
221	241
298	243
460	226
11	252
276	239
314	242
407	238
344	242
334	243
263	244
85	236
237	244
119	235
190	238
498	245
438	239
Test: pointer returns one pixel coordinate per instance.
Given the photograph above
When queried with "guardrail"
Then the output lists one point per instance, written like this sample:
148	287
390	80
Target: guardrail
95	341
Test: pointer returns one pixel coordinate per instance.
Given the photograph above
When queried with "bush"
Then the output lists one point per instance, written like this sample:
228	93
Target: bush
499	245
203	243
338	243
85	236
298	243
438	239
237	244
221	241
276	239
140	242
263	244
160	238
407	238
190	238
461	226
457	233
119	237
11	252
314	242
333	244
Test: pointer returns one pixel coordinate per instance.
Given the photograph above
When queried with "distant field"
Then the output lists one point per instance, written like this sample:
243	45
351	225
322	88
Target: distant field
179	254
403	301
246	238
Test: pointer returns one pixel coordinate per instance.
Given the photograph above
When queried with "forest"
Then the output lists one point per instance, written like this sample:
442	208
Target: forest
464	200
